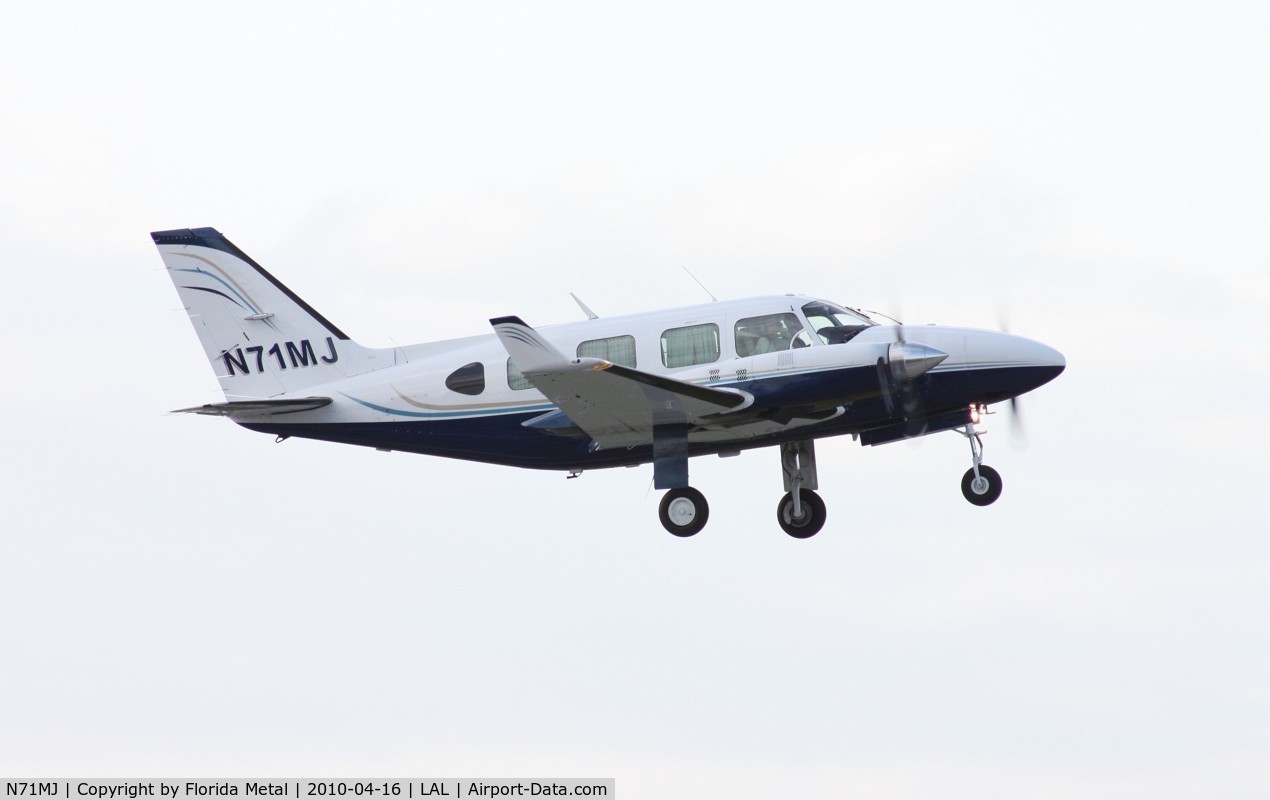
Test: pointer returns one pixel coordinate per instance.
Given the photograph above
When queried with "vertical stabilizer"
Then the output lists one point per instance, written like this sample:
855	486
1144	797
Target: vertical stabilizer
262	340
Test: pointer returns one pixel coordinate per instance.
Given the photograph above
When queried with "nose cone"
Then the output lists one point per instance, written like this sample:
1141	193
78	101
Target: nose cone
1030	363
1048	362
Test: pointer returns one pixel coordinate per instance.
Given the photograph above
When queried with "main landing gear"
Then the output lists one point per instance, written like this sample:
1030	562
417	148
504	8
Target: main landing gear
800	513
981	484
684	511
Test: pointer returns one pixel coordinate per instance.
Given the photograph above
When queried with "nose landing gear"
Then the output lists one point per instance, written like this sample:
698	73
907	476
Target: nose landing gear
981	484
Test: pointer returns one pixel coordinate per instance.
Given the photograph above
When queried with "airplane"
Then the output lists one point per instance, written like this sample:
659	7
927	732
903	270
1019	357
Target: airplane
659	387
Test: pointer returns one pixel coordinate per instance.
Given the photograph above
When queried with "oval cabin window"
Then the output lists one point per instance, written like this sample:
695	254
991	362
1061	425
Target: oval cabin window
467	379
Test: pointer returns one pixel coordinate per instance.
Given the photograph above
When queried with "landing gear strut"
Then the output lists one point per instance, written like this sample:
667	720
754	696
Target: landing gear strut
801	512
981	484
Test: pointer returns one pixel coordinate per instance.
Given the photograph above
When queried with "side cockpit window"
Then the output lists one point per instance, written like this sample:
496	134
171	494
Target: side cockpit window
833	324
768	334
467	379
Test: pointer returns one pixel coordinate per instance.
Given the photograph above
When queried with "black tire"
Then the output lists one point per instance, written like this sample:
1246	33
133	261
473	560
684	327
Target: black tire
684	518
981	495
813	518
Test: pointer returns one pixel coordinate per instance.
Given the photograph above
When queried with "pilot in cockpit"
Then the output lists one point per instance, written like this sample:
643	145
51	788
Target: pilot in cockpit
771	337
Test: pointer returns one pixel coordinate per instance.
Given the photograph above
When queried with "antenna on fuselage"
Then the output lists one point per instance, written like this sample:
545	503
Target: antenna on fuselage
702	285
589	313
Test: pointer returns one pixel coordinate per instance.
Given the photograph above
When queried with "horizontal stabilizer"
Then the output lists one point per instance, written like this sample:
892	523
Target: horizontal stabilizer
257	407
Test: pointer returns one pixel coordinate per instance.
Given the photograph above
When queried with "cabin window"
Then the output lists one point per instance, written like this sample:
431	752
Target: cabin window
617	349
467	379
768	334
693	344
516	379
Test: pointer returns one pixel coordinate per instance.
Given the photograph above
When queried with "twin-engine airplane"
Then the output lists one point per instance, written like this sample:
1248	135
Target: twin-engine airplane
655	388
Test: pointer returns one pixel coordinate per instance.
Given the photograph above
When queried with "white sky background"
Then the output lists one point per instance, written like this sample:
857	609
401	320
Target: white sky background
182	597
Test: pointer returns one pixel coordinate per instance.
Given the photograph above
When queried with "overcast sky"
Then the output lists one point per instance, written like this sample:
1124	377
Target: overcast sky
181	597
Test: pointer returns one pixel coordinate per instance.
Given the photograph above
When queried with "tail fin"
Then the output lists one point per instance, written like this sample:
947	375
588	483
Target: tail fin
261	339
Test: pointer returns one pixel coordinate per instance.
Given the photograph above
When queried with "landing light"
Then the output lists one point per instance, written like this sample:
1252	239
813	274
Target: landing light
977	412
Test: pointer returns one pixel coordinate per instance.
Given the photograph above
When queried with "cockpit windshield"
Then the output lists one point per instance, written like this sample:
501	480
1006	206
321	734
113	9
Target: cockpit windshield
833	323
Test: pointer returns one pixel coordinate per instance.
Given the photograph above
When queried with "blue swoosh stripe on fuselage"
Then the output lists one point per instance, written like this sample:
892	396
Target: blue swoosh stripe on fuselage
540	407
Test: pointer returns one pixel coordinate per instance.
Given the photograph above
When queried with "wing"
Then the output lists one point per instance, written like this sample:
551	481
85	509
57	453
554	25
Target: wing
616	406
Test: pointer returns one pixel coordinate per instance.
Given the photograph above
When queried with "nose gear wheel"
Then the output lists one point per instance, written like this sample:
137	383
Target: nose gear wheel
982	489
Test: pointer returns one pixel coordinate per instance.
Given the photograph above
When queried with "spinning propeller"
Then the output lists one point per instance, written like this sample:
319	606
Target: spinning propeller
1018	435
904	362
